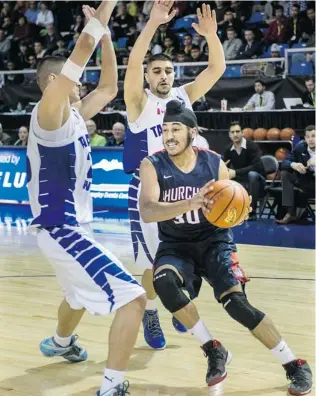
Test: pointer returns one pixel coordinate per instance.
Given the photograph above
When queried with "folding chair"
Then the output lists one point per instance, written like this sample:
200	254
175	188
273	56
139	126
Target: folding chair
270	165
305	203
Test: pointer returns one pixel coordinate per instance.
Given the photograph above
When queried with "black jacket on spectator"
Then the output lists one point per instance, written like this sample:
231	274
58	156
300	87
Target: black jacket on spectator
248	160
247	52
236	24
307	98
298	154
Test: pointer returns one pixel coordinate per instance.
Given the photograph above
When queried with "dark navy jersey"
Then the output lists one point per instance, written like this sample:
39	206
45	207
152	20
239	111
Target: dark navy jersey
176	185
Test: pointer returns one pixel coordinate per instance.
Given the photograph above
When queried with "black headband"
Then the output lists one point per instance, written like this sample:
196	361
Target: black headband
177	112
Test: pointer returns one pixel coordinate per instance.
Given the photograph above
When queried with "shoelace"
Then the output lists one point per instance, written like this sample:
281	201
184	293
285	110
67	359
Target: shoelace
298	377
123	391
214	356
153	325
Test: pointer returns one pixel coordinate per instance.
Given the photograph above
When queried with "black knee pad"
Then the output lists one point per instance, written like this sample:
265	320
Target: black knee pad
168	286
238	307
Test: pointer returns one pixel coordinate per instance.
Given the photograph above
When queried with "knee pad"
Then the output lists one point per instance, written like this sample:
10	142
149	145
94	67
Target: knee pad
238	307
168	286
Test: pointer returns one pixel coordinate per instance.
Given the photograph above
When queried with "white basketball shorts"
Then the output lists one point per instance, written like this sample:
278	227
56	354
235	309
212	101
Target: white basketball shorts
91	277
144	235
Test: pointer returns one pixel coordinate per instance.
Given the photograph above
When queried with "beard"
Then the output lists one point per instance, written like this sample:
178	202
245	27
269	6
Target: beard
188	144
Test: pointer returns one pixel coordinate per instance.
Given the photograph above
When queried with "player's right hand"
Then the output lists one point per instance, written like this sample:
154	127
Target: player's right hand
160	12
298	167
199	201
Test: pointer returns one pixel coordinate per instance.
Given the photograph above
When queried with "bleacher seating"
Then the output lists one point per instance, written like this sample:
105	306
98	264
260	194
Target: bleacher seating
301	69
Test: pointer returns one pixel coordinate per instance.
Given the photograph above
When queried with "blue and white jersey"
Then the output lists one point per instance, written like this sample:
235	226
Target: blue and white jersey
144	136
59	170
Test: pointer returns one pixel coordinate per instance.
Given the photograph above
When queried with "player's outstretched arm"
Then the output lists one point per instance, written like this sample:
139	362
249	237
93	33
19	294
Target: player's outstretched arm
54	107
107	87
207	27
134	95
153	211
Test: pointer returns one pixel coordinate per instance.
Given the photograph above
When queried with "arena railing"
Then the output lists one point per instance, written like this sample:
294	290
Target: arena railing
177	66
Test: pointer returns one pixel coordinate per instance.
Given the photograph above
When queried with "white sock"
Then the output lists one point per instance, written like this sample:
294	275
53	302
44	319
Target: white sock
151	305
283	353
62	341
111	379
201	333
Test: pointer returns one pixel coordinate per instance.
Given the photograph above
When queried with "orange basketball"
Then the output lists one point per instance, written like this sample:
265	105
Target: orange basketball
287	134
273	134
260	134
231	202
281	153
248	133
270	176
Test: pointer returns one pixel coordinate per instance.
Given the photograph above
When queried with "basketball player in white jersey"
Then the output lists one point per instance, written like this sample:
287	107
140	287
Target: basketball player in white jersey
145	110
59	179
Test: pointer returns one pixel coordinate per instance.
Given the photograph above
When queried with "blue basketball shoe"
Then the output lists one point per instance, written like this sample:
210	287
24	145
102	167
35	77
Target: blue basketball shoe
74	352
152	331
119	390
178	325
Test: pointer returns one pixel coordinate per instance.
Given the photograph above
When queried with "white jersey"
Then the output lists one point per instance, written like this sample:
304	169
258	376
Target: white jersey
59	171
144	136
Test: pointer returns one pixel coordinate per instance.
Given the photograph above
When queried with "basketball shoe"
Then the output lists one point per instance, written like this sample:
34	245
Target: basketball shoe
152	331
300	375
178	325
119	390
217	357
74	352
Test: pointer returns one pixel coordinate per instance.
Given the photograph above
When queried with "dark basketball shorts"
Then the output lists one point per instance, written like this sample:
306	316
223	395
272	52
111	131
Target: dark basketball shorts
214	261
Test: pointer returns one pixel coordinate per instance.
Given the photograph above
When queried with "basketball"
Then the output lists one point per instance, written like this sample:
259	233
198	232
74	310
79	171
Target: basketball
248	133
273	134
281	153
260	134
287	134
231	202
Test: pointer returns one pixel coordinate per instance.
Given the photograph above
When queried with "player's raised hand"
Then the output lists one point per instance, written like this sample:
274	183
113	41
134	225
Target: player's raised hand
200	200
160	13
89	13
207	25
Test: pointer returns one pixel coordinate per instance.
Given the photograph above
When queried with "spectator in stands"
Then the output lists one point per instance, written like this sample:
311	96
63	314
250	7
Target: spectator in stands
31	12
147	7
169	47
72	42
5	139
196	55
18	10
122	72
308	30
252	48
277	31
262	99
220	12
200	41
39	51
231	22
5	46
78	26
118	131
181	57
122	21
161	34
242	9
6	10
275	68
232	45
309	98
95	138
243	159
45	16
83	91
22	30
187	43
32	61
61	49
268	12
23	136
30	78
295	25
302	4
141	22
298	170
13	78
51	38
7	26
22	55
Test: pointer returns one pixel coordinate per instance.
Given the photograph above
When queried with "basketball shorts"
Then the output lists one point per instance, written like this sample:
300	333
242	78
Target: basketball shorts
214	261
144	235
90	276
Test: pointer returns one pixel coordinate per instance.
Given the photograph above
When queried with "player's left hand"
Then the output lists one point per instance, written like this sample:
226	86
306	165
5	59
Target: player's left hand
89	13
207	25
249	210
232	173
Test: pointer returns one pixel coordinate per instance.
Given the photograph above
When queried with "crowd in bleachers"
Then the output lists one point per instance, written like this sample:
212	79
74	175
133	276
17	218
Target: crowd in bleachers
29	30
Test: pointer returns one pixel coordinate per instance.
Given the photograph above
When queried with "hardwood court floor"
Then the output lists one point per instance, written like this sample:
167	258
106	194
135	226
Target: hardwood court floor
281	285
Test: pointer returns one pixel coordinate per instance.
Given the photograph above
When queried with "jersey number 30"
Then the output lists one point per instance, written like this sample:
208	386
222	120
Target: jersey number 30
191	217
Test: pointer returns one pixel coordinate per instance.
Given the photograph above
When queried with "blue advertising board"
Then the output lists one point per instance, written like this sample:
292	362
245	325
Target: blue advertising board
109	187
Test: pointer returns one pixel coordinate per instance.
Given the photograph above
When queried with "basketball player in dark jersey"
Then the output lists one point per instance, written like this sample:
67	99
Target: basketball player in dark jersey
174	183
